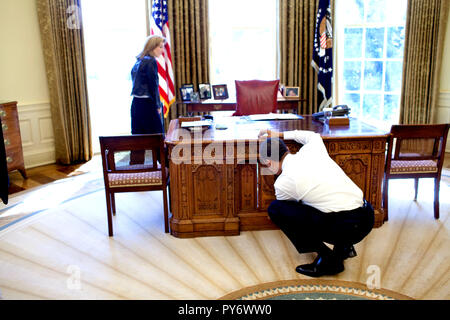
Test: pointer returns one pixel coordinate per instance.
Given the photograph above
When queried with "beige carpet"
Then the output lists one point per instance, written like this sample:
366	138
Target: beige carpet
60	249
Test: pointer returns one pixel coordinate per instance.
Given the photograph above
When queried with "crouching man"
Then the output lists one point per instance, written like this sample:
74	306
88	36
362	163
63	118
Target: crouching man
316	201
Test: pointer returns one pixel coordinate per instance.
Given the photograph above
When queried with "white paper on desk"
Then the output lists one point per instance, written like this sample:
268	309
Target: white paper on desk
200	123
274	116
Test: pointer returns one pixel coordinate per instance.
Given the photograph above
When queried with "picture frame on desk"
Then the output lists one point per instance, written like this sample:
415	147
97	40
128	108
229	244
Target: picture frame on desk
195	96
281	88
220	91
186	92
291	92
204	90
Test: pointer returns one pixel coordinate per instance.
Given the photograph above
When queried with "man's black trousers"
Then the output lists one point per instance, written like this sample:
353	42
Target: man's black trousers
308	228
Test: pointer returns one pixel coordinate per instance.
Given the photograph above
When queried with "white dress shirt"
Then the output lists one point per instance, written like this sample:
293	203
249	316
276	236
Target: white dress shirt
313	177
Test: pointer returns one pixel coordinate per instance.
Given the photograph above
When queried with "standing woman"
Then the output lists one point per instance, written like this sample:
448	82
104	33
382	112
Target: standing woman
146	106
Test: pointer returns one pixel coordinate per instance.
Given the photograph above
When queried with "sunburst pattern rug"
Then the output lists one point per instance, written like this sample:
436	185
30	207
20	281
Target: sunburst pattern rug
313	290
27	204
56	236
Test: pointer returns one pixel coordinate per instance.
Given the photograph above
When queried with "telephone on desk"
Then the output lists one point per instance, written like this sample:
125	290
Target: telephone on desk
339	110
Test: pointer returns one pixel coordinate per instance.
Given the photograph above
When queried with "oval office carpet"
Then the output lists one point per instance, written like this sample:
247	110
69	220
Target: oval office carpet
315	289
54	245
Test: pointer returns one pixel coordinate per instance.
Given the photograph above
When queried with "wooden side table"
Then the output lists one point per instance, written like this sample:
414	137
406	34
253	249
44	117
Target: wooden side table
11	135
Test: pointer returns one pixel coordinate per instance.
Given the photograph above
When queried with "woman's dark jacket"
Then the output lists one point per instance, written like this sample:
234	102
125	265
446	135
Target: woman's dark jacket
145	79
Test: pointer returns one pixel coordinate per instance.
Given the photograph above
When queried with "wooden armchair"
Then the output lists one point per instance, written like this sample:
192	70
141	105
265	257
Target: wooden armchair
122	173
419	152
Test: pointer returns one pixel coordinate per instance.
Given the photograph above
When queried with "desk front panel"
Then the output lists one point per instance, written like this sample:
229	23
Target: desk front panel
222	190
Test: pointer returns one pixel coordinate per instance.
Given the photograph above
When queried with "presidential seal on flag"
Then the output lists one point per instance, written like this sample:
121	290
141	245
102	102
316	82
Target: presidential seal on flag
326	34
323	54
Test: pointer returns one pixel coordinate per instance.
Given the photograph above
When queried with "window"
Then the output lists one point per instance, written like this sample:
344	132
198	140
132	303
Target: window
114	34
370	41
243	41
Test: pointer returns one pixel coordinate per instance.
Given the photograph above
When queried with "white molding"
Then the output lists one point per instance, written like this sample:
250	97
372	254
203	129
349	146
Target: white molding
25	127
39	158
444	99
443	112
37	142
33	107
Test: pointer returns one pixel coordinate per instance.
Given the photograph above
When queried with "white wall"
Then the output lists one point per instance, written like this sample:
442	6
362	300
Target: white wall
23	79
443	104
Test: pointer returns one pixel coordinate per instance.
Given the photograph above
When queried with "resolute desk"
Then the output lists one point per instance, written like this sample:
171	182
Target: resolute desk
220	190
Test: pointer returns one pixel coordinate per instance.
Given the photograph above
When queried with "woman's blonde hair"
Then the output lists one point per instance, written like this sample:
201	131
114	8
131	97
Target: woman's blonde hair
151	43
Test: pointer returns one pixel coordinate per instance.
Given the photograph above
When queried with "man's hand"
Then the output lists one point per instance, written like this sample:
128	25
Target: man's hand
270	134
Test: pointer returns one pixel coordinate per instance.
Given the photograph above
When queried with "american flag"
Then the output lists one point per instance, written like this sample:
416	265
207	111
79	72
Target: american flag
323	41
159	25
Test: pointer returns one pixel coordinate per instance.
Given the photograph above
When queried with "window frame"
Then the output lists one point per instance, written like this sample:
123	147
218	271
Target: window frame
338	88
276	46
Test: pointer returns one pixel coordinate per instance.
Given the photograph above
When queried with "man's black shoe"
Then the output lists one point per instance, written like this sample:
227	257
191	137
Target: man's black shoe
321	266
345	252
351	252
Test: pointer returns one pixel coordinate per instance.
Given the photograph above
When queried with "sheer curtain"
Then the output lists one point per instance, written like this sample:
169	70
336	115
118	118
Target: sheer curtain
114	34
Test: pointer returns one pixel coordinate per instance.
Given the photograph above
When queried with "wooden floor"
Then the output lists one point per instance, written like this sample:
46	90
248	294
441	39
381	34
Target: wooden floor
43	175
62	250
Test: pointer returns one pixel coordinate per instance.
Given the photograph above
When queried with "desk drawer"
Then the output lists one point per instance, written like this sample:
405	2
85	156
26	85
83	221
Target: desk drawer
11	134
10	125
348	147
14	158
12	140
10	122
8	113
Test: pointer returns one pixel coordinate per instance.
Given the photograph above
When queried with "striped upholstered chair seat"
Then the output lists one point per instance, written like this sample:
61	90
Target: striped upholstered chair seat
413	166
149	178
136	166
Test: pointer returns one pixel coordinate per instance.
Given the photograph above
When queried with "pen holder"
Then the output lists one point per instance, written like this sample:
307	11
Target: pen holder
338	121
184	119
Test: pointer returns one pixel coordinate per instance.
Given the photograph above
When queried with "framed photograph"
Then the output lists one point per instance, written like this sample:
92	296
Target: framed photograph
186	93
205	90
291	92
220	91
281	88
195	97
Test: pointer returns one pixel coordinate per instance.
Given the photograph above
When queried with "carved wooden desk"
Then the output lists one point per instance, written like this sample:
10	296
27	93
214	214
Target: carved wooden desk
216	185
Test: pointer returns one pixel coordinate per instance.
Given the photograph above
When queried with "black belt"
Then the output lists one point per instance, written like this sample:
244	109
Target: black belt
367	205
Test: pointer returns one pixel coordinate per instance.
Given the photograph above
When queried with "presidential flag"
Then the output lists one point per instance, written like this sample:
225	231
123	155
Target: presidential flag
323	54
159	25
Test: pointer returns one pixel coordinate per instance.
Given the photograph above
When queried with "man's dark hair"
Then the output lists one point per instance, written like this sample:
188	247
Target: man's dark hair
272	149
